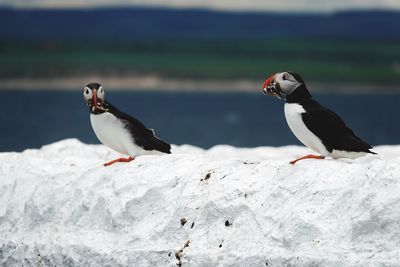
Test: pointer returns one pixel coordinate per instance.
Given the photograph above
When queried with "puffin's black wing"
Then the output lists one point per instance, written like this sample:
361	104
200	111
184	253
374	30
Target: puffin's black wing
331	129
142	136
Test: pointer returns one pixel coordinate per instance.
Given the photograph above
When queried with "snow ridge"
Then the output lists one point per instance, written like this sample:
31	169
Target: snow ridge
241	207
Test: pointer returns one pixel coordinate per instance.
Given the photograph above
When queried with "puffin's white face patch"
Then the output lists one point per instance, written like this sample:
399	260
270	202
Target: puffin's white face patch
100	93
287	82
87	93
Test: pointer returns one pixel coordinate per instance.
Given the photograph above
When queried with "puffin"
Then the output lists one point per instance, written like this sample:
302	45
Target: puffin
317	127
118	130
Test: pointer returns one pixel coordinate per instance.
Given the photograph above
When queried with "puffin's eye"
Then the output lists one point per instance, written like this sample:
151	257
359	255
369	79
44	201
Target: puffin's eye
284	77
87	91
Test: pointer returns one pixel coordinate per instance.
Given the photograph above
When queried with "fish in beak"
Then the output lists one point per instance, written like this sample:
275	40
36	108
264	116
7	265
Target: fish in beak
271	87
268	85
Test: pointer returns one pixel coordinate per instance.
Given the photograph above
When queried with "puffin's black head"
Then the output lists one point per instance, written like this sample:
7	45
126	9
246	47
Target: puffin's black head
94	97
285	85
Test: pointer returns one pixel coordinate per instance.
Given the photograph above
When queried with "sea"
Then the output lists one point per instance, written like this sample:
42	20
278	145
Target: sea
33	118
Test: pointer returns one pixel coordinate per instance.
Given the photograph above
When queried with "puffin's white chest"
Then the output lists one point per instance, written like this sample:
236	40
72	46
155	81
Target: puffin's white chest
296	124
112	133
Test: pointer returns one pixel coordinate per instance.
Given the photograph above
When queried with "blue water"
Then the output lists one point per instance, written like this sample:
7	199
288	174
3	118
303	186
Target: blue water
30	119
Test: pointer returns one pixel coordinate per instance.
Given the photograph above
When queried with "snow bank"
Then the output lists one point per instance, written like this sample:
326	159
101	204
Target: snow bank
237	207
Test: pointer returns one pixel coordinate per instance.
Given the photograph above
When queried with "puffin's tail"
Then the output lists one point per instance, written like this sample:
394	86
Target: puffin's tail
161	146
356	144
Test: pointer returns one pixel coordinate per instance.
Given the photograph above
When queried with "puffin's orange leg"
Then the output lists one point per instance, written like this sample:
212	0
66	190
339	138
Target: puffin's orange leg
306	157
119	160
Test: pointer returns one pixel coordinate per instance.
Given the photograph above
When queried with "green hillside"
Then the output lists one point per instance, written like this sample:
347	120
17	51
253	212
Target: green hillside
317	60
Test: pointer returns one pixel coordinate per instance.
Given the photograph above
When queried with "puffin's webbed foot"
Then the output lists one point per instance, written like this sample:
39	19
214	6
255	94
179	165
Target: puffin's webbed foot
118	160
307	157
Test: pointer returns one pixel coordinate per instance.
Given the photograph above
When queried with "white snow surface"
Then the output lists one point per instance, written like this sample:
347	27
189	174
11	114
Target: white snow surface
60	207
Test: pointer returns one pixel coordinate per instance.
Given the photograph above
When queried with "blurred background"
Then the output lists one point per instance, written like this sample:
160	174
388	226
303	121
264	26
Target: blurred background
193	69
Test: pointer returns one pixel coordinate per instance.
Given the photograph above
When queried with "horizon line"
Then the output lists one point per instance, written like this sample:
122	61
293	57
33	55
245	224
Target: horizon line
63	6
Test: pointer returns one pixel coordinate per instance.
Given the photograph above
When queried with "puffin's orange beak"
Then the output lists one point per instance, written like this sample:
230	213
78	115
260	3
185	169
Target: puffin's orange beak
94	100
266	84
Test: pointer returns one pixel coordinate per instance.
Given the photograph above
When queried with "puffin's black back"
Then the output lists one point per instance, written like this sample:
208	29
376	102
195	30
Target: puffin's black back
331	129
142	136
